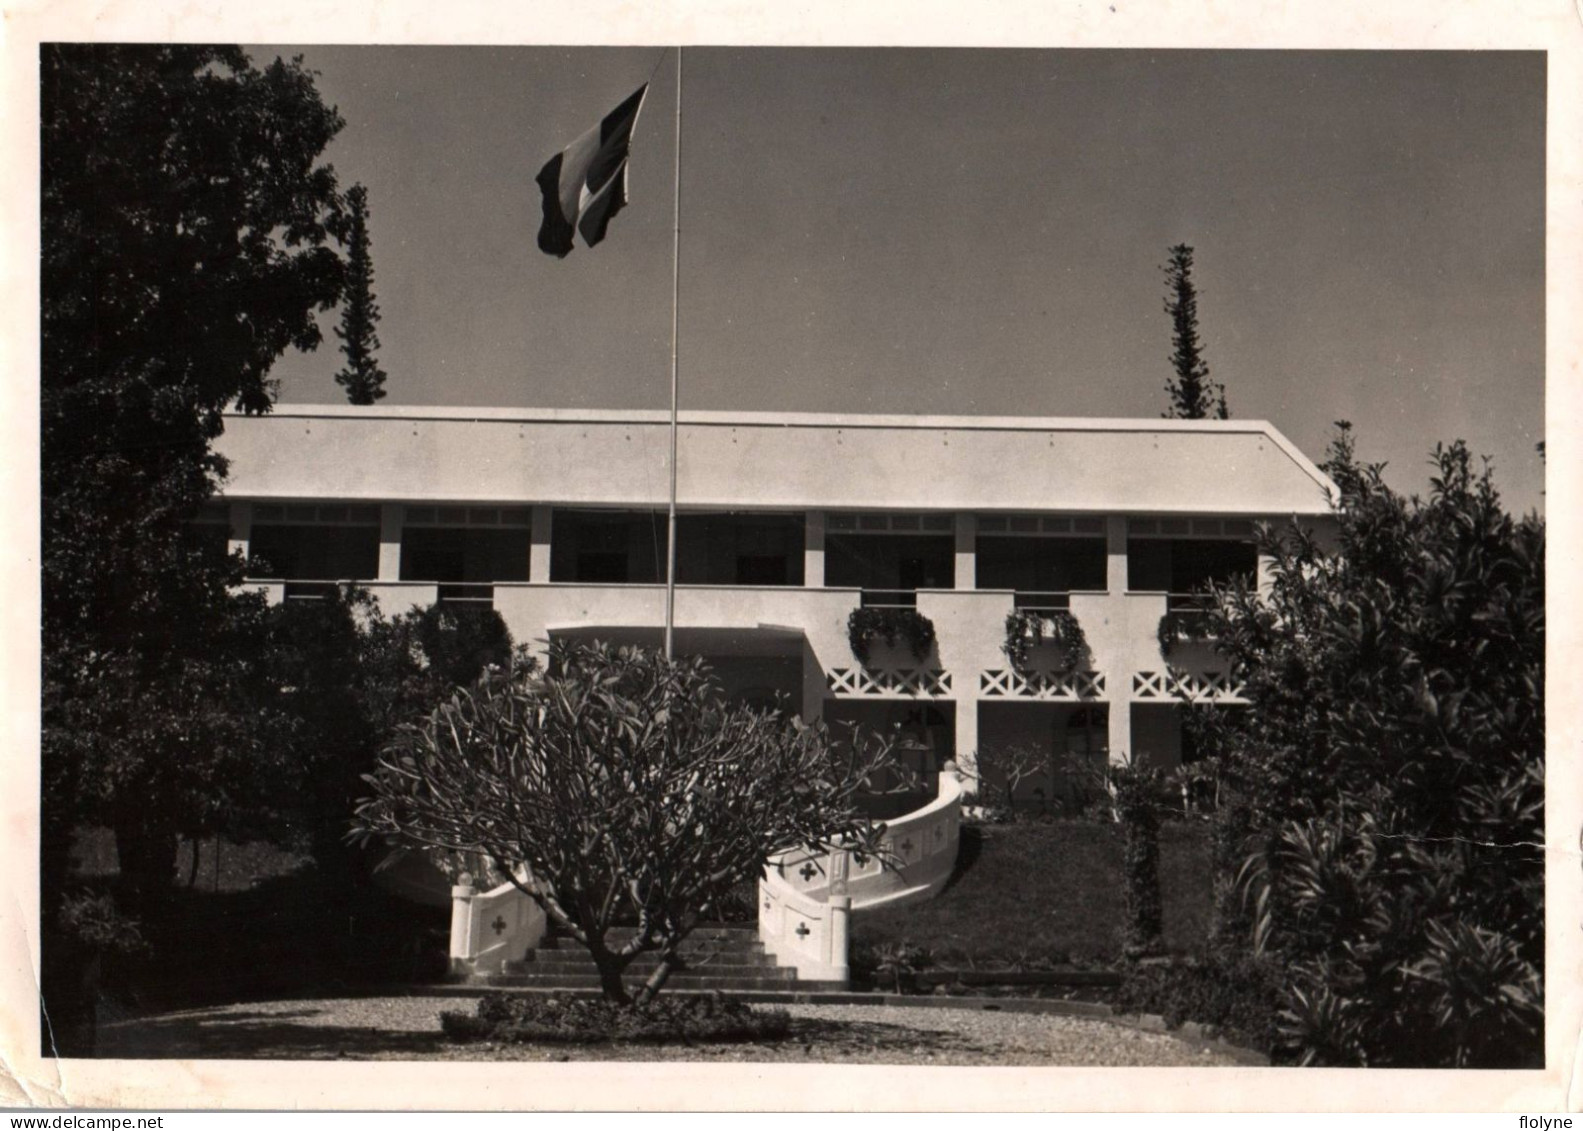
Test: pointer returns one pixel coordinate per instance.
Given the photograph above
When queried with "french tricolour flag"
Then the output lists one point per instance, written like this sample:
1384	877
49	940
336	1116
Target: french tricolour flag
585	184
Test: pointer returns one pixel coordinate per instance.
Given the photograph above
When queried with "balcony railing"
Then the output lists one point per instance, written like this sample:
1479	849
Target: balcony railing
471	595
890	599
1034	601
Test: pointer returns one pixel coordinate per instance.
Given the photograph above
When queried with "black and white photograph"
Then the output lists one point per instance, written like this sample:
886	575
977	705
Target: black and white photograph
678	552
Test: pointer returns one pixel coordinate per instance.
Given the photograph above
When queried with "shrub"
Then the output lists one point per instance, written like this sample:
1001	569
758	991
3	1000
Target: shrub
1238	995
1140	798
893	626
1382	799
529	1017
1000	772
1027	630
1183	627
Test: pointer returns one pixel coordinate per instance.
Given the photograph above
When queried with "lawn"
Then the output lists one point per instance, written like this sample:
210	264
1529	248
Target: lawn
1046	892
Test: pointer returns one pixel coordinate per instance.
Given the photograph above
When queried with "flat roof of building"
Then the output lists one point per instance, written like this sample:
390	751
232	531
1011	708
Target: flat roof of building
771	459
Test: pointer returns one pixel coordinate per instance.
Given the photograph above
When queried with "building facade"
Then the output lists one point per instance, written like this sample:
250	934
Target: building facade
788	523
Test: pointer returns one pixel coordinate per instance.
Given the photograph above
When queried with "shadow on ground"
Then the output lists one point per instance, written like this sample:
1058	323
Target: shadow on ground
258	1036
291	1035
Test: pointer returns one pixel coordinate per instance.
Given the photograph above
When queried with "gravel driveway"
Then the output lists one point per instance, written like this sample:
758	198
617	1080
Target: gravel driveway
408	1028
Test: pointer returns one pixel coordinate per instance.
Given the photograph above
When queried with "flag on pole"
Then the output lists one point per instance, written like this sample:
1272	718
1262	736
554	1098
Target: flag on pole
585	185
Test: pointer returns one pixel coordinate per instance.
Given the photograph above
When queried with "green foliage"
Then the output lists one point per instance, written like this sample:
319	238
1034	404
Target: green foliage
1238	995
362	378
1180	627
345	678
184	238
460	642
1140	798
518	1018
892	625
1057	632
896	965
1193	395
627	787
1382	800
1072	783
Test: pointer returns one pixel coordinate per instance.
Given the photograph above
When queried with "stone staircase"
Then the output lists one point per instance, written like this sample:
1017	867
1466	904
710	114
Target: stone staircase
714	957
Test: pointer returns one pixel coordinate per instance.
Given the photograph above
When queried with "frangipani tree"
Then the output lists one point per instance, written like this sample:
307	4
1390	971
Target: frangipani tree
628	789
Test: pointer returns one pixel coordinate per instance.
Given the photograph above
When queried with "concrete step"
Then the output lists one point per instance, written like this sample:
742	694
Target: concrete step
569	951
745	943
537	965
763	979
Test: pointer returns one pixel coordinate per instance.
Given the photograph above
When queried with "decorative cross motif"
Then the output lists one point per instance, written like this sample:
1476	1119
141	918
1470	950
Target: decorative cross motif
906	845
1208	687
939	833
889	681
500	925
808	872
1002	683
803	931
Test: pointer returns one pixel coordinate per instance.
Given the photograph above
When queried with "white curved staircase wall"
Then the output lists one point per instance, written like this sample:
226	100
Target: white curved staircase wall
489	929
806	900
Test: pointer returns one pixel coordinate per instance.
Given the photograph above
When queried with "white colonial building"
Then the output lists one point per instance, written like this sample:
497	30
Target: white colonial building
788	522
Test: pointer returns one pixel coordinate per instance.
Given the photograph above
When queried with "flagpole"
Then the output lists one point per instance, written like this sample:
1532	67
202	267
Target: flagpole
676	271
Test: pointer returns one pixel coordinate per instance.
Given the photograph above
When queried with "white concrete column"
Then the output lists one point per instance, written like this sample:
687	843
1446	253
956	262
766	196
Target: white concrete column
1266	576
840	929
241	522
966	549
1116	555
814	688
1118	674
813	550
390	519
539	549
1120	712
462	895
967	735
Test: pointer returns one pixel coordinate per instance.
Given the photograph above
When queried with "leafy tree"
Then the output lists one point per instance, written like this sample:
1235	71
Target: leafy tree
362	378
1193	395
1383	796
342	678
626	787
185	245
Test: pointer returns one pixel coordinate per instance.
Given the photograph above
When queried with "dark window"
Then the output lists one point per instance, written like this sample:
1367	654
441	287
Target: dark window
314	553
890	561
1040	565
461	554
1183	565
739	549
605	546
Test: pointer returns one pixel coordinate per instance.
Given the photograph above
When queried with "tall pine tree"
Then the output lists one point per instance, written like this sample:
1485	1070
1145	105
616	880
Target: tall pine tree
1193	395
362	378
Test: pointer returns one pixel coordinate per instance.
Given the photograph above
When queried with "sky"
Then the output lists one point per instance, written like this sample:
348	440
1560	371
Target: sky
968	232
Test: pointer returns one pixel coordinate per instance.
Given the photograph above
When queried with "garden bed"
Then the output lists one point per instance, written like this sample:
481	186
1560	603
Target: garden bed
1042	896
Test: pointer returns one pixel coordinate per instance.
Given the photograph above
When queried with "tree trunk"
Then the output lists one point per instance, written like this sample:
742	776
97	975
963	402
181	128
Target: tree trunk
611	982
656	981
147	853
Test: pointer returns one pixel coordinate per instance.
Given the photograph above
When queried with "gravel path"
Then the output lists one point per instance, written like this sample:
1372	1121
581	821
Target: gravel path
408	1028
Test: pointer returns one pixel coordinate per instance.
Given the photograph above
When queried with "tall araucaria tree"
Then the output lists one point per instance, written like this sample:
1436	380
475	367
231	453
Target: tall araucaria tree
186	244
620	786
1193	395
362	378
